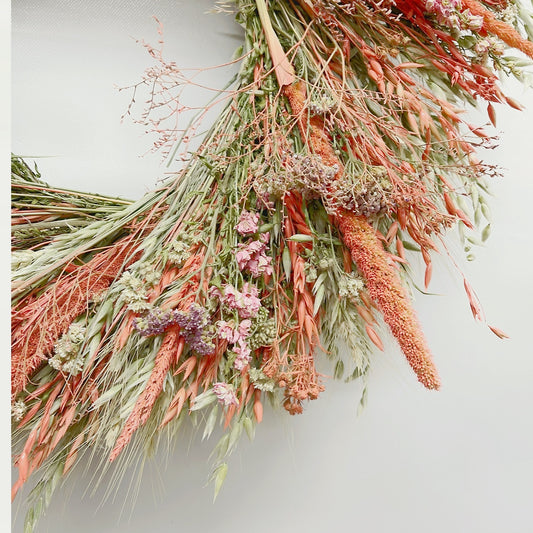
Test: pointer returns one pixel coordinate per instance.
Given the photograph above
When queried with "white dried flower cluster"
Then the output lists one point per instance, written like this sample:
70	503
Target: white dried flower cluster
76	333
489	45
509	14
133	292
179	250
326	262
321	104
148	273
18	410
99	297
318	261
66	356
350	285
261	381
272	185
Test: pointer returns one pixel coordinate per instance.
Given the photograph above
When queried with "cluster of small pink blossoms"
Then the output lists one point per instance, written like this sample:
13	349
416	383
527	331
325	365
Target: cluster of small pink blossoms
448	13
246	301
443	9
489	44
251	256
225	394
248	223
237	337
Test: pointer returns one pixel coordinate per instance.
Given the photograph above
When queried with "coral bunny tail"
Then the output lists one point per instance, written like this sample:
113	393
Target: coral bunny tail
383	283
385	288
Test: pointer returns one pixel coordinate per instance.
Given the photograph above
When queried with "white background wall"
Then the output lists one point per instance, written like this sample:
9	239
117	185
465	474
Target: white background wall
459	460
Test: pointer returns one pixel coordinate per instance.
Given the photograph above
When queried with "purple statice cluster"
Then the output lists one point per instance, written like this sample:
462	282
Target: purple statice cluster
225	394
194	325
154	322
196	329
237	337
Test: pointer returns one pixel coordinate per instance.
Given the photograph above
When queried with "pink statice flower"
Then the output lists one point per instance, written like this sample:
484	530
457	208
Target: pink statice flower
252	257
226	331
237	337
243	352
214	293
248	223
244	328
246	302
225	394
445	11
232	297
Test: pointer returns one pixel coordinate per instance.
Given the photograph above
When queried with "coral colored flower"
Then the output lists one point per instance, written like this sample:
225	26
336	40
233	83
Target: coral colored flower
248	223
225	394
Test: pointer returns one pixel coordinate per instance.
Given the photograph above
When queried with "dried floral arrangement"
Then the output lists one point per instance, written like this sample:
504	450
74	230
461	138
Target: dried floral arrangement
340	147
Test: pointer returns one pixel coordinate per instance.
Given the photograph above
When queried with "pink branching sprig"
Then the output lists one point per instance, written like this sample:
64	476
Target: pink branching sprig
165	113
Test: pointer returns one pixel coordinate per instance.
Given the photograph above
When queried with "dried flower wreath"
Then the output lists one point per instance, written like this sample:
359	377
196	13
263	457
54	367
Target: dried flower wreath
341	147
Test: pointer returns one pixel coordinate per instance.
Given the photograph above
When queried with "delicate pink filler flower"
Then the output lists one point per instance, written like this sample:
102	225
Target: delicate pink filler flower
248	223
225	394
